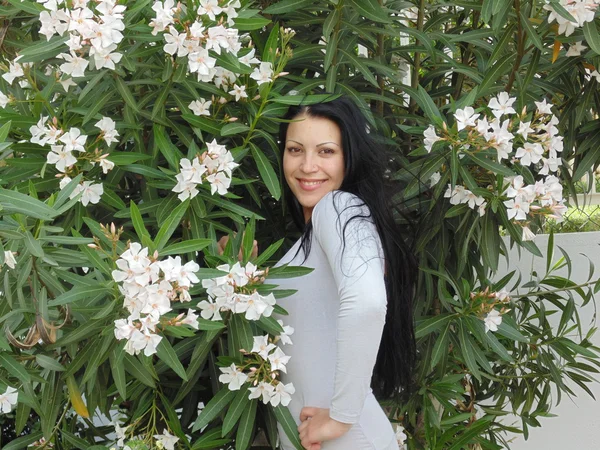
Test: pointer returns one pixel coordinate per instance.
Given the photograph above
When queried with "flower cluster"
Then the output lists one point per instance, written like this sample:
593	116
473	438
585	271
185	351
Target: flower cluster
94	30
260	369
530	140
149	287
234	292
486	302
581	10
9	259
208	33
214	166
8	400
65	145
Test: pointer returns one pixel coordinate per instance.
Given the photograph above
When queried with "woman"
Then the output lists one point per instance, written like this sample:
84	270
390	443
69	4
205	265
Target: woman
359	294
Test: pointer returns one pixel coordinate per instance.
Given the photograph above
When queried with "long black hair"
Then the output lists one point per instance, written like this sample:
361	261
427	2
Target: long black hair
365	164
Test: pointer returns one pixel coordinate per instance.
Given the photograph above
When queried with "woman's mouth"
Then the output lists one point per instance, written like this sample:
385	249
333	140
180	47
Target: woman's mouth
310	185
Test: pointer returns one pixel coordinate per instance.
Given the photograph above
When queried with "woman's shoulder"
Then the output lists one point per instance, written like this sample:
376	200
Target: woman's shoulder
340	205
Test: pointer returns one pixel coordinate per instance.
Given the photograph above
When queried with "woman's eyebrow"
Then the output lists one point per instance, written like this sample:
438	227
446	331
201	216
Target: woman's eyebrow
329	142
299	143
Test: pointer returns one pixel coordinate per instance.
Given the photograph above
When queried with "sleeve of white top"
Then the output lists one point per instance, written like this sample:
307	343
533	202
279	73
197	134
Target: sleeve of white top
358	269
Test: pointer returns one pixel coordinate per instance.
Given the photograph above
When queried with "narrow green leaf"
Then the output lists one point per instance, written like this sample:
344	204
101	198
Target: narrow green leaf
139	371
13	367
126	95
432	324
170	225
187	246
267	173
287	6
15	202
240	402
441	346
466	348
79	293
372	10
507	331
118	371
492	166
205	124
284	417
213	408
165	352
138	225
246	427
33	245
49	363
592	36
234	128
251	24
4	131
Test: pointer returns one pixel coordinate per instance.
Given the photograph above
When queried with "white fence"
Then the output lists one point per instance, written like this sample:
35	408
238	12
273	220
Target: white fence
577	425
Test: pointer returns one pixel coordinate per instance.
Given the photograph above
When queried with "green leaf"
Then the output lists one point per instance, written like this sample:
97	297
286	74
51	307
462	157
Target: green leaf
126	95
15	202
531	31
205	124
123	158
210	325
25	441
372	10
246	427
432	324
43	49
165	352
213	408
187	246
441	346
13	367
497	347
492	165
4	131
287	6
507	331
284	417
234	128
250	24
166	147
170	225
118	370
466	348
304	99
33	245
425	102
96	291
139	371
286	271
240	402
500	68
267	173
49	363
361	66
138	225
592	36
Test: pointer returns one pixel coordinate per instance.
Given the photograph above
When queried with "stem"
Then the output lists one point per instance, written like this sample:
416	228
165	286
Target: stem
552	291
380	81
520	47
417	64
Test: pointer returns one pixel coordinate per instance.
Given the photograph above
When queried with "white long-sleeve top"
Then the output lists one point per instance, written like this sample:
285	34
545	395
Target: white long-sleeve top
338	314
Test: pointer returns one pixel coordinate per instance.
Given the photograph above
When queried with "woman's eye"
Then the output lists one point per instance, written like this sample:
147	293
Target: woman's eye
293	149
327	150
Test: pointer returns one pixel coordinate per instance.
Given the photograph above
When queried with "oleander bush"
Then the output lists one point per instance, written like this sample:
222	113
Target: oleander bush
135	134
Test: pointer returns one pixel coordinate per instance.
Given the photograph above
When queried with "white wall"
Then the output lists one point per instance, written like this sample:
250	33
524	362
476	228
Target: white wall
577	425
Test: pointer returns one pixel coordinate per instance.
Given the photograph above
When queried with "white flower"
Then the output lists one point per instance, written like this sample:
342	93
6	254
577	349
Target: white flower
239	92
492	320
528	235
9	259
262	346
8	400
278	360
91	193
164	15
525	129
200	107
201	62
530	153
3	100
264	389
73	140
191	319
103	57
15	70
210	310
434	179
282	394
430	137
144	341
61	157
233	377
576	49
287	332
219	182
210	8
543	107
106	164
400	435
120	433
249	59
175	43
263	73
167	440
124	328
502	104
67	83
465	118
517	208
75	65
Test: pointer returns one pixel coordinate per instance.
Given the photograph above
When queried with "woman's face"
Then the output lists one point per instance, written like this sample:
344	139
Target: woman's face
313	160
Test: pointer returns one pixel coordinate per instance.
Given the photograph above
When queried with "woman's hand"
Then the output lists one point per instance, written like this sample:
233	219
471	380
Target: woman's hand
317	427
222	243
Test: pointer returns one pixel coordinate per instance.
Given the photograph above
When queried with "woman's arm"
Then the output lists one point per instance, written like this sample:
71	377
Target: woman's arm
358	269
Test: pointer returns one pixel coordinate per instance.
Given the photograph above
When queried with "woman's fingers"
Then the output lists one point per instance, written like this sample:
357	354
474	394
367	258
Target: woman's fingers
222	243
307	412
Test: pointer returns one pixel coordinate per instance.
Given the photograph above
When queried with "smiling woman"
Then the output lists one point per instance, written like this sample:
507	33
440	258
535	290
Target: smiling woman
352	315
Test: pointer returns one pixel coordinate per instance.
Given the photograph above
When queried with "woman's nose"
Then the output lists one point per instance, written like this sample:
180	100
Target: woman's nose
308	164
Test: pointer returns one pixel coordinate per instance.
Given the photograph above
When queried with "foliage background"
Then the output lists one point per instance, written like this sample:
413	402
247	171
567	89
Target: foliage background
456	54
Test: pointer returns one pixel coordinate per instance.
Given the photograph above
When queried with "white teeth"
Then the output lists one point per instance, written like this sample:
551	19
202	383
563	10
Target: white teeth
311	183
